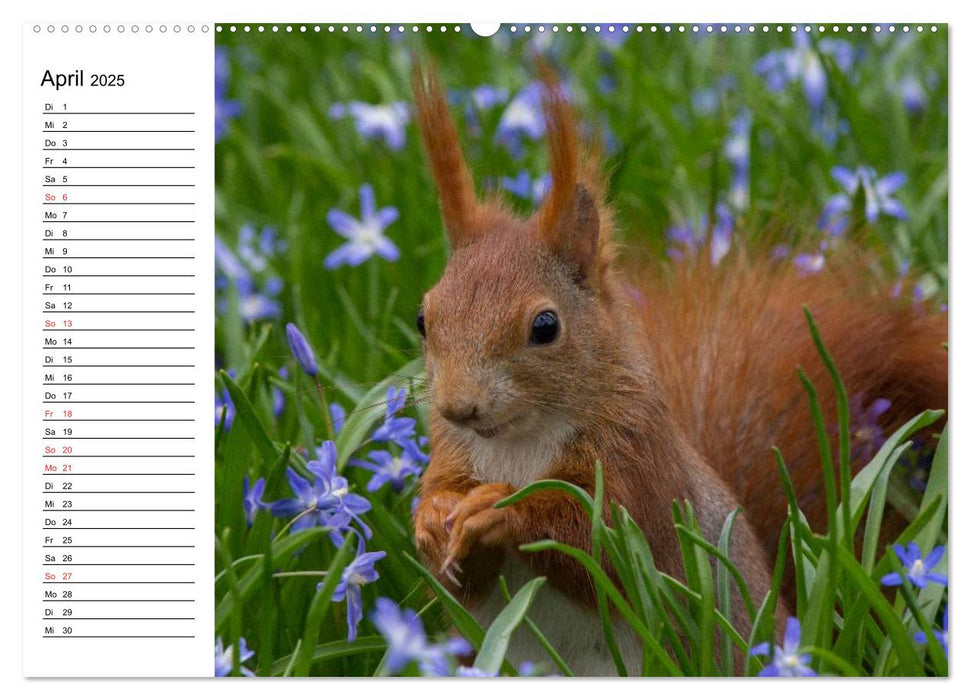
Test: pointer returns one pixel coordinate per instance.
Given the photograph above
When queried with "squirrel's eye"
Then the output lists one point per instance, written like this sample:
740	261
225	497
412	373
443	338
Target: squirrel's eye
420	323
545	329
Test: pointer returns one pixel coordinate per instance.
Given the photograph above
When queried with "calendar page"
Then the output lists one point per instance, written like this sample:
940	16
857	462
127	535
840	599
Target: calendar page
534	349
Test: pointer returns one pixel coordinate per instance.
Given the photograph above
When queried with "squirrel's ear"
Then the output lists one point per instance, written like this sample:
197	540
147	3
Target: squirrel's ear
456	191
576	234
569	220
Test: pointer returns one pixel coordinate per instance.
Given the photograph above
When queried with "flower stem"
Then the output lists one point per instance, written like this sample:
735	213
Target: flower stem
322	393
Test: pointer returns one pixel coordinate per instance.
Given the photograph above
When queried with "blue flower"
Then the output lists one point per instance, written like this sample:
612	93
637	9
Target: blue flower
225	405
225	109
524	187
919	570
473	672
224	658
256	248
407	643
485	97
865	430
301	350
786	660
355	575
801	63
877	194
810	263
253	498
916	464
337	417
254	304
279	400
389	468
688	238
523	116
941	634
705	101
396	430
828	124
365	237
385	122
913	94
738	153
325	502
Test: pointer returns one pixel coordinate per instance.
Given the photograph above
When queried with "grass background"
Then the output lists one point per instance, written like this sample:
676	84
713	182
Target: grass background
284	162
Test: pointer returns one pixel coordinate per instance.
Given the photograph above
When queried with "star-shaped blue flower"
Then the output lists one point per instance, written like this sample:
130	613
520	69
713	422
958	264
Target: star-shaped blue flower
356	574
786	659
405	635
224	658
365	237
919	569
394	429
380	122
391	469
877	194
325	502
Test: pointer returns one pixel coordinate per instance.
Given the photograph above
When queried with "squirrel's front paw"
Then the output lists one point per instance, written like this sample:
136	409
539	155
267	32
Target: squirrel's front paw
431	536
474	521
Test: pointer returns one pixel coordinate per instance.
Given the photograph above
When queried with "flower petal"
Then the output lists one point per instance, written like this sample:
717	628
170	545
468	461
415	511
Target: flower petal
889	184
343	223
845	177
367	202
891	579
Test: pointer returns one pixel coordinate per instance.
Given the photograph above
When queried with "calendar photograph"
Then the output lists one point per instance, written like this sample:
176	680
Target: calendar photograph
581	350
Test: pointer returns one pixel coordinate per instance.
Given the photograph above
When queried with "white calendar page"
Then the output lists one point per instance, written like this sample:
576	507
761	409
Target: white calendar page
128	195
118	206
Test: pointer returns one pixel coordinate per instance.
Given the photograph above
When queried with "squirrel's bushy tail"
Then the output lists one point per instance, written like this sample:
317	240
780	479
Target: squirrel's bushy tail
727	341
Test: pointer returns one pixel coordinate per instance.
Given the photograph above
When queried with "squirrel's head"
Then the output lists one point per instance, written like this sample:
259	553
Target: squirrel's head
519	329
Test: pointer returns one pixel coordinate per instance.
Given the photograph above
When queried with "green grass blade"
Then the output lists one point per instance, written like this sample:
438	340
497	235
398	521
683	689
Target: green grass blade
466	625
499	634
247	417
319	605
330	651
843	420
616	597
550	485
538	634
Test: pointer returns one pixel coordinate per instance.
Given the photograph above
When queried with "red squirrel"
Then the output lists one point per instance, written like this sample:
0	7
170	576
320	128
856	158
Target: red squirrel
540	361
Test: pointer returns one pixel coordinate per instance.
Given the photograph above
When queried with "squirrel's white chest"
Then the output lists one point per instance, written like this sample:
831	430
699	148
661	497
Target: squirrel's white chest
519	460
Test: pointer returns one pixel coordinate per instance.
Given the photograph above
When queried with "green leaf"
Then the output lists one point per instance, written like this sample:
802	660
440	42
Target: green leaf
369	411
843	420
319	605
465	624
251	582
538	634
616	597
497	637
247	417
330	651
900	639
550	485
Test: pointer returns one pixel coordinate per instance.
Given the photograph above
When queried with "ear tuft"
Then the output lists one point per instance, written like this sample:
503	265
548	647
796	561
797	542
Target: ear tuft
456	190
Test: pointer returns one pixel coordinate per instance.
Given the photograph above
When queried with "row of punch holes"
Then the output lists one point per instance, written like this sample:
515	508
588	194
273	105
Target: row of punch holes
582	28
121	28
513	28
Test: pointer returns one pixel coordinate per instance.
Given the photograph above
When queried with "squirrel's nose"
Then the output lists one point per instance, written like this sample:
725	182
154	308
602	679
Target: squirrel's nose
459	411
